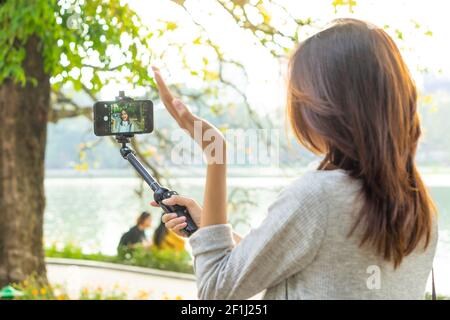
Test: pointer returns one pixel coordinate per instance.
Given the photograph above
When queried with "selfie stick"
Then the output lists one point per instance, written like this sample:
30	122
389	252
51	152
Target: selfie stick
159	193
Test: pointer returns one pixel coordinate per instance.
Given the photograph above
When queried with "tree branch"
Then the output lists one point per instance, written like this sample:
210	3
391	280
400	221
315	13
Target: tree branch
62	112
57	114
98	68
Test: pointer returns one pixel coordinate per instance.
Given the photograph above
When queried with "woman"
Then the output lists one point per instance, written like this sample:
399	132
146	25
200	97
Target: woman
136	234
167	239
361	226
125	124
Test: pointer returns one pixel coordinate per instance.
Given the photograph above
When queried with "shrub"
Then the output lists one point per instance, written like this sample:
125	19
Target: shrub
438	297
163	259
178	261
34	289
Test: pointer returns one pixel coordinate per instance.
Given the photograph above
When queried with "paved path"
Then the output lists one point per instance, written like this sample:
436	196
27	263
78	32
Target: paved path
143	283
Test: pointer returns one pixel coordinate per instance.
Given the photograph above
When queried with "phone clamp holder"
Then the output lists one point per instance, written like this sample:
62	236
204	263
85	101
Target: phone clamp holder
159	193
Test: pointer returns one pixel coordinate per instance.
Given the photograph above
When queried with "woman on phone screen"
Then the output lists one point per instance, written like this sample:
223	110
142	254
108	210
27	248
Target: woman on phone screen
360	226
125	124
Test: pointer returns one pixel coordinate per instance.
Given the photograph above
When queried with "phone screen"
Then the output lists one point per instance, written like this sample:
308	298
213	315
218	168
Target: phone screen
123	117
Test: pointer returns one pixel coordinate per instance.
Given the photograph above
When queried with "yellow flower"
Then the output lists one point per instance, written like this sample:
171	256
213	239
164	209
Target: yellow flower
142	295
165	296
34	292
43	291
178	298
60	297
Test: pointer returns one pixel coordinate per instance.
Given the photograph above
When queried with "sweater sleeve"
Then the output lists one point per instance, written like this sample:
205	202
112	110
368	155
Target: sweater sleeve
284	244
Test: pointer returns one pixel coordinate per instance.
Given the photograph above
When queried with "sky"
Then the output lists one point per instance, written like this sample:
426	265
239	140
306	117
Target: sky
265	86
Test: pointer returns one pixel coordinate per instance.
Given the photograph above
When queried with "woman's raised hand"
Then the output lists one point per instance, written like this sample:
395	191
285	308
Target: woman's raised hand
203	132
212	142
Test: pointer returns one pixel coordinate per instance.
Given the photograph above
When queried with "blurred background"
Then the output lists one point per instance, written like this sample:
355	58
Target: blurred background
227	59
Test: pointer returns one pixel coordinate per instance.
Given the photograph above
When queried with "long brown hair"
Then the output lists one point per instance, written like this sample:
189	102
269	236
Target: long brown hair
352	98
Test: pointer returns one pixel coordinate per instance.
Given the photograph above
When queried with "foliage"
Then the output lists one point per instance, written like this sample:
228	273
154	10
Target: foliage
166	259
438	297
78	40
150	258
34	289
72	251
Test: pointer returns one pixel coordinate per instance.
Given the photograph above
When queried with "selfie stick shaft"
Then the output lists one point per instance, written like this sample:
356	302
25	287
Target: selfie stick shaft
159	193
137	165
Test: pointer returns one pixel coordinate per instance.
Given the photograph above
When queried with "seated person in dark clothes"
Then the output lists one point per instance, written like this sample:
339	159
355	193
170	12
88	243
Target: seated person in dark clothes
136	235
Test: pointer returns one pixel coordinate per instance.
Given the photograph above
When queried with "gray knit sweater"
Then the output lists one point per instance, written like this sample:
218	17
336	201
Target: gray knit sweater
301	250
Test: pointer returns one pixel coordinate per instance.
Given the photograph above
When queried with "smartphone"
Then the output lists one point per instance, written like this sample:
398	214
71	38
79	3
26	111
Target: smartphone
112	118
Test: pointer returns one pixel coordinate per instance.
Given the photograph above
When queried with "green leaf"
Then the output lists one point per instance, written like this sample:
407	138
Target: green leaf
170	26
95	34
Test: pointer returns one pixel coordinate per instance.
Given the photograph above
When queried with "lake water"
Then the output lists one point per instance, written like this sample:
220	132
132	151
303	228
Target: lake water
93	212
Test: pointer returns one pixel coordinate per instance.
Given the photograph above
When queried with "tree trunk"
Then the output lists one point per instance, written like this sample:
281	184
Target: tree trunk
23	133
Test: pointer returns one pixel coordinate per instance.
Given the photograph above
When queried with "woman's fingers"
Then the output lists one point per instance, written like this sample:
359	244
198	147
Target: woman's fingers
176	108
154	204
177	199
195	210
179	227
172	223
168	216
164	92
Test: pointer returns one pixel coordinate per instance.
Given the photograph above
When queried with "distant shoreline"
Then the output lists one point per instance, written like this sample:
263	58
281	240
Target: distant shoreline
432	176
